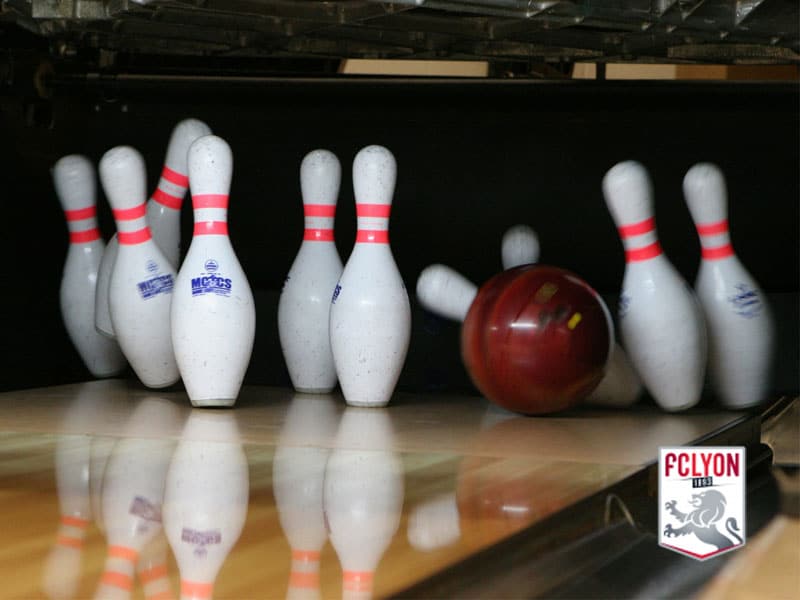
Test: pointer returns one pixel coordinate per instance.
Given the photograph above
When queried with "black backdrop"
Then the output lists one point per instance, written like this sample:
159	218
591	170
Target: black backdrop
474	158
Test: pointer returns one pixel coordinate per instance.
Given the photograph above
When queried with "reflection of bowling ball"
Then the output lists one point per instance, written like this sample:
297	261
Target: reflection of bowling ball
536	339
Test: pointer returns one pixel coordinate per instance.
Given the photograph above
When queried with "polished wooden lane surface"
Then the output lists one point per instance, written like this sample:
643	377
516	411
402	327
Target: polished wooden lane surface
442	478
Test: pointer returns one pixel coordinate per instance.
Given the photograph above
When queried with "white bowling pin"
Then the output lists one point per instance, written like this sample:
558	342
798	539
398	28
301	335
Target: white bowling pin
163	213
142	281
363	496
133	492
213	312
62	569
660	319
741	330
298	472
205	502
445	292
74	180
305	302
520	246
370	320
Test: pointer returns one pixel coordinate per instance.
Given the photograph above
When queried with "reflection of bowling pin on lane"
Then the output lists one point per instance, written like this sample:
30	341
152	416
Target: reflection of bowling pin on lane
140	292
620	385
298	470
305	302
151	569
363	496
741	330
213	314
370	320
520	246
62	568
163	214
205	501
133	490
660	319
74	180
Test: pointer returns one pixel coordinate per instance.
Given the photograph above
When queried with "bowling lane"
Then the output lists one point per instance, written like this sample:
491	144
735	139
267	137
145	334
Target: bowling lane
314	497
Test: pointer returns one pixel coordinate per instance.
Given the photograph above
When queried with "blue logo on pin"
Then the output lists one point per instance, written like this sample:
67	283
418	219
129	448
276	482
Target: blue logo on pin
211	265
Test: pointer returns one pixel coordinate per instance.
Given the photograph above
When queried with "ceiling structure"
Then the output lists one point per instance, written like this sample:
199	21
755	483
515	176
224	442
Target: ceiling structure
498	31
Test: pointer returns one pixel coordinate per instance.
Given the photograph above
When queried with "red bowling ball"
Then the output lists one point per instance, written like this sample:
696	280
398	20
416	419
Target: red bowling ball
536	339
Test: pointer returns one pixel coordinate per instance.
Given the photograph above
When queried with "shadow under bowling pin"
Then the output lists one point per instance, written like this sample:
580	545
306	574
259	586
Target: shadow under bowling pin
741	330
75	183
206	497
133	492
298	473
363	496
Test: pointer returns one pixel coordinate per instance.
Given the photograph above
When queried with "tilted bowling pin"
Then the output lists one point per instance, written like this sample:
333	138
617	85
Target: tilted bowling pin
205	502
213	313
74	180
363	496
446	292
370	322
142	281
298	472
305	302
133	491
163	213
620	385
660	318
741	330
520	246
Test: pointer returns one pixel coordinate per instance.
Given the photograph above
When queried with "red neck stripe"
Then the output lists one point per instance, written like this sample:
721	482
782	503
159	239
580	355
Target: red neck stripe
210	228
210	200
319	210
357	580
318	235
81	213
174	177
193	589
373	210
717	253
153	574
713	228
372	236
639	228
131	238
167	200
303	579
643	253
117	580
74	521
128	214
305	555
82	237
123	552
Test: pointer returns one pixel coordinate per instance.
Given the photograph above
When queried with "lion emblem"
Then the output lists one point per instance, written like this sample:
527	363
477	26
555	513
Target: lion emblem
709	507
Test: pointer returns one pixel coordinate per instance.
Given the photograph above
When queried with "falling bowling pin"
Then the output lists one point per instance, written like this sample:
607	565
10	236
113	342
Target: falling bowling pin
370	320
305	302
660	319
140	293
741	330
163	214
74	180
363	496
520	246
446	292
205	501
213	312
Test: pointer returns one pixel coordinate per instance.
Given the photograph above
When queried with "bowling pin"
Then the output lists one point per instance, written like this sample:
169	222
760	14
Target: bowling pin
133	491
363	496
152	570
74	180
140	292
213	312
298	472
205	501
660	318
520	246
163	213
305	302
445	292
741	330
370	320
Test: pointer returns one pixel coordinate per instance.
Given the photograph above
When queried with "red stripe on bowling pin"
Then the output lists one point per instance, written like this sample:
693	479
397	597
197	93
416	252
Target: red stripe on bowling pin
357	581
318	235
175	177
130	238
117	580
74	522
639	228
82	237
129	214
644	253
372	236
193	589
69	541
168	200
319	210
210	201
717	253
711	229
635	229
211	228
81	213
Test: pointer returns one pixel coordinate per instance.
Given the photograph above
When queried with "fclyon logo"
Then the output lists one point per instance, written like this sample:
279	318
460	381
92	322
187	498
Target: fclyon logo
701	497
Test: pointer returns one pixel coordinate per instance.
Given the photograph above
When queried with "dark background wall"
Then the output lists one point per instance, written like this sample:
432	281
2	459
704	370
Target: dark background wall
473	159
